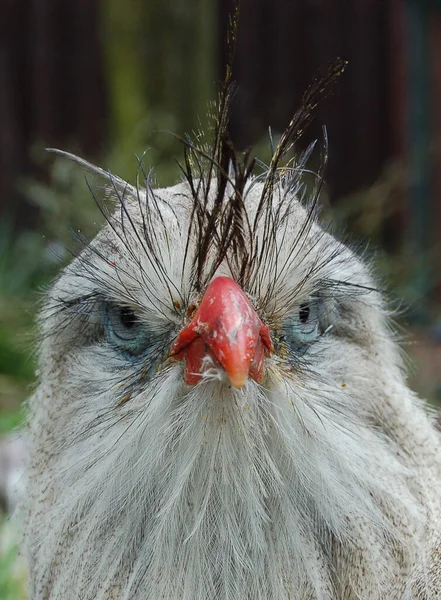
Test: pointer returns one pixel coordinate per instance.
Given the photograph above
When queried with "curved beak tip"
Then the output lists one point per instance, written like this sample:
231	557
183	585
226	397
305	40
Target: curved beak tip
238	380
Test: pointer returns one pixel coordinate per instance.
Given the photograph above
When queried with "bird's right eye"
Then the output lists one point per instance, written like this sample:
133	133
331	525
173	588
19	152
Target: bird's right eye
125	331
303	327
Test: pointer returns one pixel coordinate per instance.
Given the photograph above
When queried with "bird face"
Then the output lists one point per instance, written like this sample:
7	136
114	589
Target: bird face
136	295
210	410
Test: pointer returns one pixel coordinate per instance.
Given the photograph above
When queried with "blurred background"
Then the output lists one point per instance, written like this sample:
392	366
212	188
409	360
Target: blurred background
107	79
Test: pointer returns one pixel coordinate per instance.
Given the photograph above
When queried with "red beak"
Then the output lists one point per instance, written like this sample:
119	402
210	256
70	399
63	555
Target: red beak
227	329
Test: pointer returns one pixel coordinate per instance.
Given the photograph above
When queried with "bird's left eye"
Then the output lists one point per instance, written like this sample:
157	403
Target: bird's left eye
124	330
303	327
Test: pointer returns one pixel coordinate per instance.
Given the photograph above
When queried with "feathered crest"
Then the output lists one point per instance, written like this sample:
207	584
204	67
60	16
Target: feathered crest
222	223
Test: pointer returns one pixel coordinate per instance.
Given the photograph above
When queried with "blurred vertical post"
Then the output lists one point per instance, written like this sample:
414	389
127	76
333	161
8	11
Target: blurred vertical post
435	37
159	58
419	110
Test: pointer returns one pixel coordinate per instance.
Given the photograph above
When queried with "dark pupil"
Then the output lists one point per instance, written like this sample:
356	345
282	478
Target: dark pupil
127	317
304	313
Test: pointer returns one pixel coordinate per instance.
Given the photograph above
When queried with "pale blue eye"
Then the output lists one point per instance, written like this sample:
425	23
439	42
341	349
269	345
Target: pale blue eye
125	331
303	327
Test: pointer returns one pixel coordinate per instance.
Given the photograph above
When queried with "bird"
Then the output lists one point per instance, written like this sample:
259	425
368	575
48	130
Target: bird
222	411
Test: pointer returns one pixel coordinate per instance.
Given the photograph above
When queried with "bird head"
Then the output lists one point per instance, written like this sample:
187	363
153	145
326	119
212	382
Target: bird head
216	371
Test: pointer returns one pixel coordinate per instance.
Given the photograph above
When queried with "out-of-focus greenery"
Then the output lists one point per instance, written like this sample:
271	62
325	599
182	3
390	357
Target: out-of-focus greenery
27	263
13	580
20	266
160	65
375	216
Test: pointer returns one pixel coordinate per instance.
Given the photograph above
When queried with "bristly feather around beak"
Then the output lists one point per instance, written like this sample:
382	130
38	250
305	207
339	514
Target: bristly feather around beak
226	328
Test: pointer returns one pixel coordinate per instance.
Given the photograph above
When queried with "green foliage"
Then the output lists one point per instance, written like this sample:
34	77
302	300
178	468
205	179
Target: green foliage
28	262
160	61
65	204
13	581
11	420
20	271
373	216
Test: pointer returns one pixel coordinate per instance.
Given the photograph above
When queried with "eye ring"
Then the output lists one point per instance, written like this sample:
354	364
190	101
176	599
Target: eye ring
304	326
125	331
